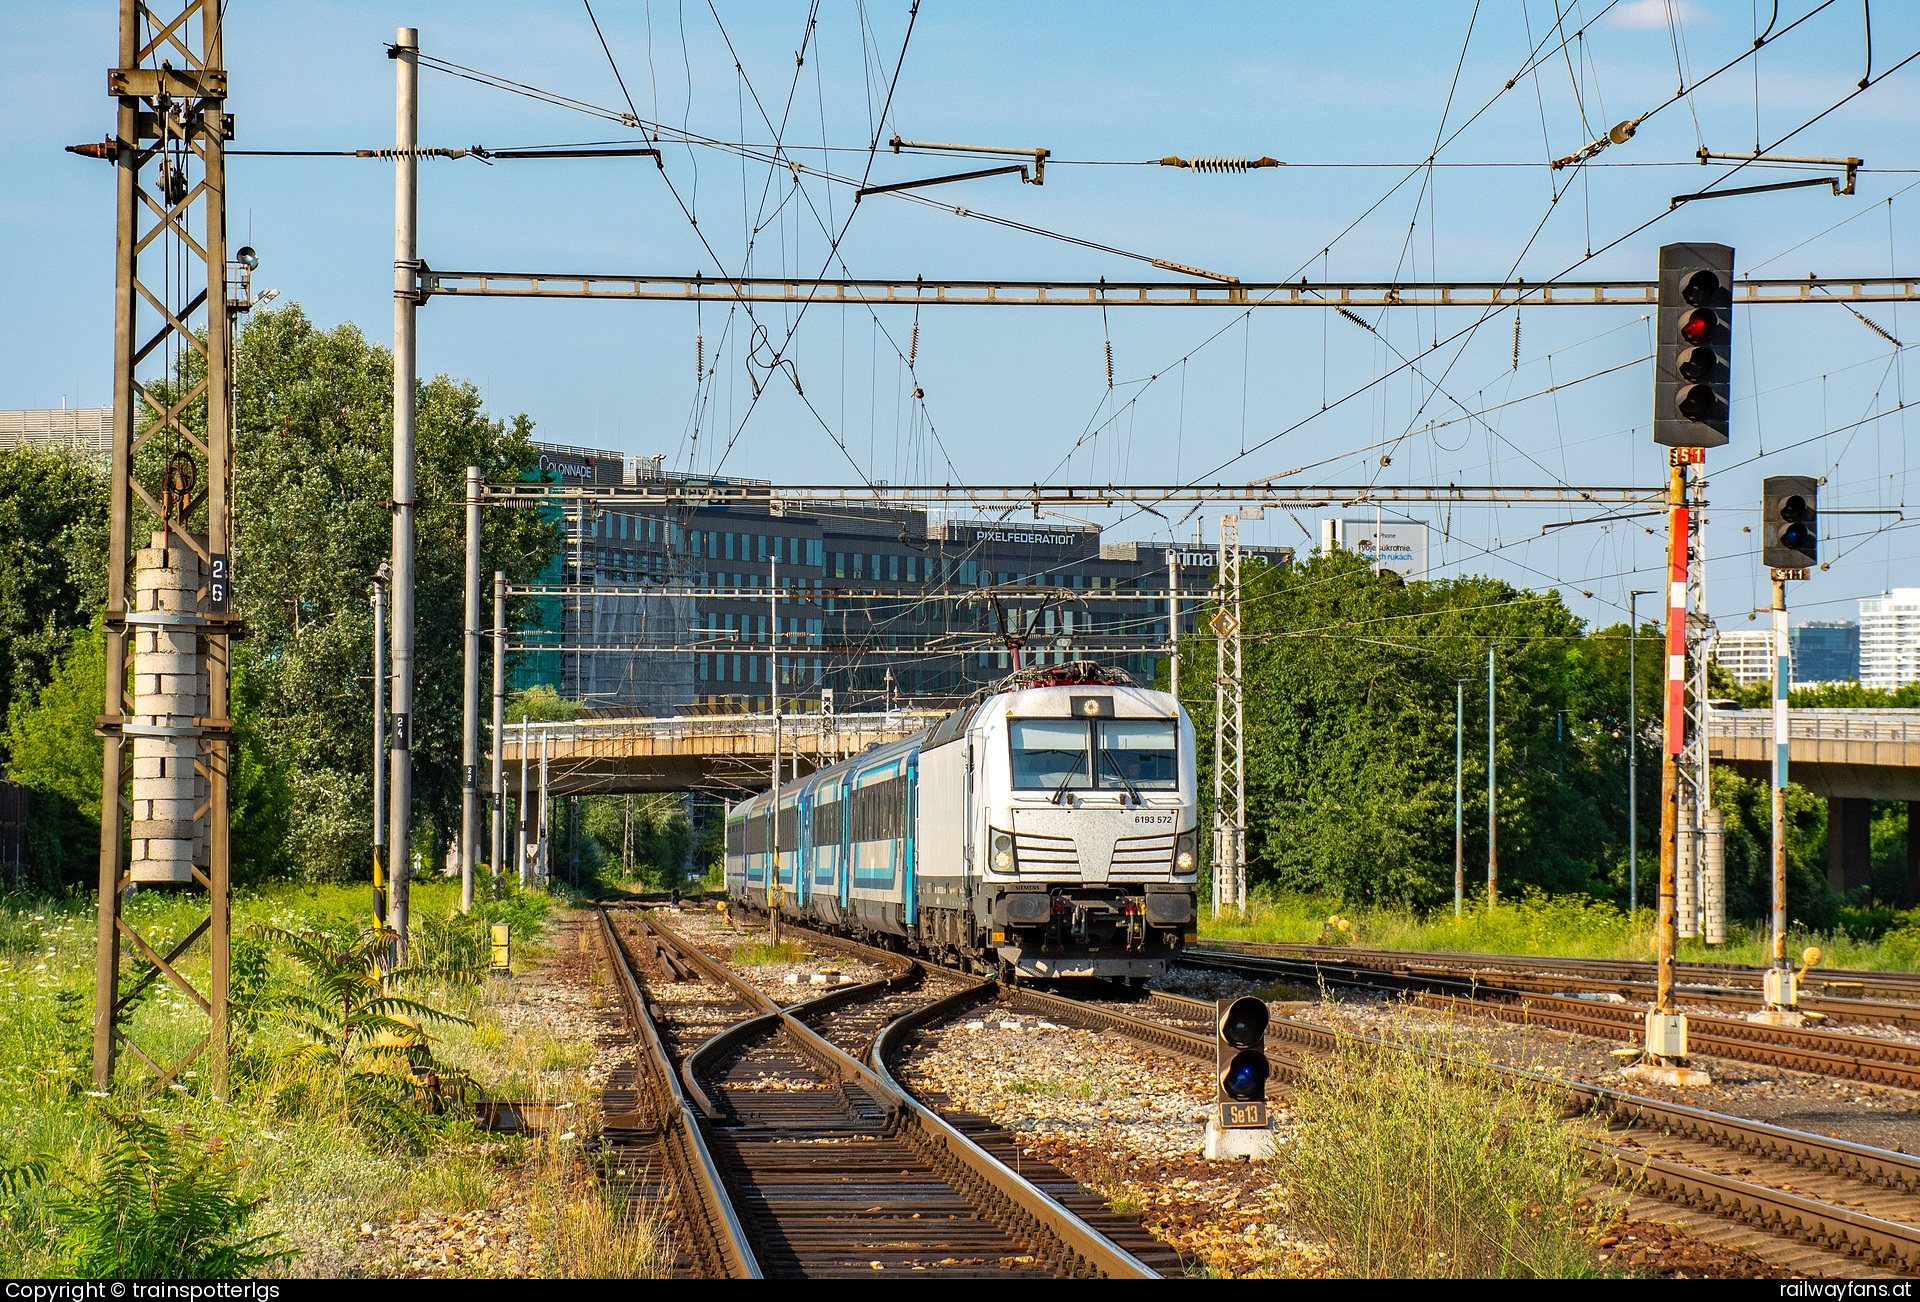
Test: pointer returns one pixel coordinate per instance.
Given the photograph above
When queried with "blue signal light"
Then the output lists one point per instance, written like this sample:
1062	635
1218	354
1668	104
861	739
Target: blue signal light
1245	1078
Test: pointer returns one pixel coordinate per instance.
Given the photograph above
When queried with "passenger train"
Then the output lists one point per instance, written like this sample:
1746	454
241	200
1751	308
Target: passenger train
1045	829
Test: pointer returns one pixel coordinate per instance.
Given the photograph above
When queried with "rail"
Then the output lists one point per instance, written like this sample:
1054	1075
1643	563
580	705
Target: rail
1858	1234
716	1229
1074	1245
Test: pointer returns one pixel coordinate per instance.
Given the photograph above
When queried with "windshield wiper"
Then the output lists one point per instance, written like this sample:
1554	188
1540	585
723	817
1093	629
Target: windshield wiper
1065	778
1107	757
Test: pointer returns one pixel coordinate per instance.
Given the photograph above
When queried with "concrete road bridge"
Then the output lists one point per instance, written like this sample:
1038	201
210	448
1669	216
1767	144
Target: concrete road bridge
1852	757
723	754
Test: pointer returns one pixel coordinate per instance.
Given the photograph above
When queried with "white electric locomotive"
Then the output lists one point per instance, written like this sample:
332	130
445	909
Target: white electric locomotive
1046	829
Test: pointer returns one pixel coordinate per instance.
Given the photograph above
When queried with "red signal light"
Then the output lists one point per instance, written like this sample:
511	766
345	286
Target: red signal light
1697	324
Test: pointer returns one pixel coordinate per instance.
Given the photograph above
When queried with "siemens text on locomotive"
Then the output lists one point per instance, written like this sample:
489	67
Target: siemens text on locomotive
1046	829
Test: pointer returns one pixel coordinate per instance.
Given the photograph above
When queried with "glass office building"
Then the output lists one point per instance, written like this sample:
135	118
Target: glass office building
1826	651
864	605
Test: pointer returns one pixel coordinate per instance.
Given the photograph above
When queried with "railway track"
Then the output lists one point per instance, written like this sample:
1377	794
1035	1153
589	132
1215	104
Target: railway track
1859	1202
826	1166
1843	1202
1826	1053
1848	1207
652	1146
1840	995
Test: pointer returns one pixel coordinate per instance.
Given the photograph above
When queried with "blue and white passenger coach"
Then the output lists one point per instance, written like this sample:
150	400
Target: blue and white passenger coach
1045	829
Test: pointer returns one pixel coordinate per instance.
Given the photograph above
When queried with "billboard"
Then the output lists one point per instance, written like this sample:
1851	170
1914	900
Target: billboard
1397	545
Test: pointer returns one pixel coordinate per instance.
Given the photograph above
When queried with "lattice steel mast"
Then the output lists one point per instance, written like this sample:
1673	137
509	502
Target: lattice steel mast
167	734
1229	731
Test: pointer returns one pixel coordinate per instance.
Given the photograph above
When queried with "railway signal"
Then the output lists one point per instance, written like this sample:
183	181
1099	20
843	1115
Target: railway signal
1693	334
1790	523
1790	546
1241	1059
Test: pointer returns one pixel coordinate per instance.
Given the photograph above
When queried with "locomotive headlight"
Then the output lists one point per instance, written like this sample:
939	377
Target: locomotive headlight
1002	852
1183	852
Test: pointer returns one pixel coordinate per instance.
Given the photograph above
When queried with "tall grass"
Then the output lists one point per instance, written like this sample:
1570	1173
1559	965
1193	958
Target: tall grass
1567	926
319	1179
585	1230
765	954
1415	1167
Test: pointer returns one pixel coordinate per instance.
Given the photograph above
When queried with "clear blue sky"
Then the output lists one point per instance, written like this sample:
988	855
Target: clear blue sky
1022	394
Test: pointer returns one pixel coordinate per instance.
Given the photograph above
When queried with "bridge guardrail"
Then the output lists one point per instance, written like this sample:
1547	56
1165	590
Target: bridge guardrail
1819	725
685	728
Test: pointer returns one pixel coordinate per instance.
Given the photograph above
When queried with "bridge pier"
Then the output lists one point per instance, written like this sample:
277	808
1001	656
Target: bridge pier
1849	842
1913	854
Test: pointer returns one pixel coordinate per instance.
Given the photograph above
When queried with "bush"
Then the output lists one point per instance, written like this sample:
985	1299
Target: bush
159	1204
1419	1165
362	1052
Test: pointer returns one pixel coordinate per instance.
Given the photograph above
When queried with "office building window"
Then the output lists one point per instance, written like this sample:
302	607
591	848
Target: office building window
839	565
736	670
877	570
859	565
698	541
760	552
893	568
706	667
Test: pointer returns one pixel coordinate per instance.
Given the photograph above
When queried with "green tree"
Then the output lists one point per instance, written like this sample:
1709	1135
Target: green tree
1350	715
1748	807
540	704
53	530
55	751
313	480
51	748
661	835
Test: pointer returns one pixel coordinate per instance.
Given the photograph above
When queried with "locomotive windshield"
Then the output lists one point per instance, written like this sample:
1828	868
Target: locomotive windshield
1050	754
1112	754
1139	753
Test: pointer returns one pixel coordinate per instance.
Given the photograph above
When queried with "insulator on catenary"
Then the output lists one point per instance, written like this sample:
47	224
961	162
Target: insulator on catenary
417	152
1516	341
699	357
913	345
1218	164
1109	363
